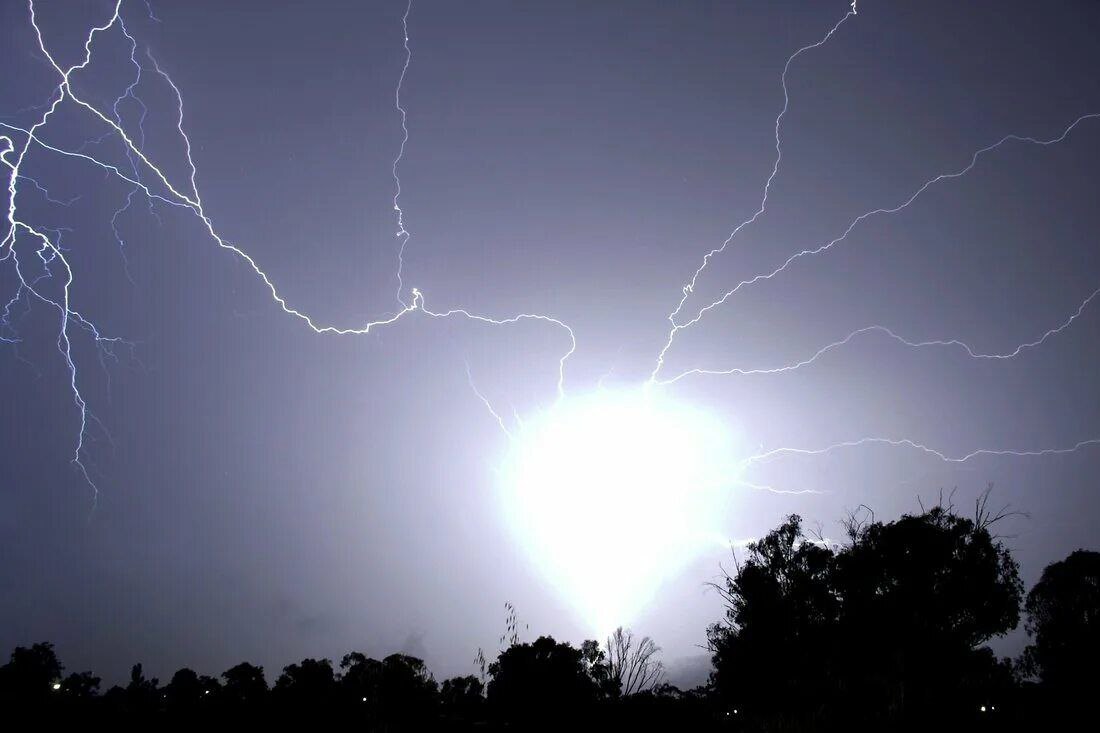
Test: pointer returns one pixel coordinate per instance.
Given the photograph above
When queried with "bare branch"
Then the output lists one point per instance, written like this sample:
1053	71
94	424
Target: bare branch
633	663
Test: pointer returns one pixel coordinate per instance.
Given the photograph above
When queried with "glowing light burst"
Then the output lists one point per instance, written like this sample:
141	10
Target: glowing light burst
611	492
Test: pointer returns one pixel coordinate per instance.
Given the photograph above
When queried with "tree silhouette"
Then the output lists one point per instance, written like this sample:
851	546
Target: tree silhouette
775	646
184	691
598	668
80	686
408	692
361	679
922	593
462	698
307	691
188	694
632	663
542	681
31	676
397	692
143	696
244	685
885	628
310	681
1063	618
884	631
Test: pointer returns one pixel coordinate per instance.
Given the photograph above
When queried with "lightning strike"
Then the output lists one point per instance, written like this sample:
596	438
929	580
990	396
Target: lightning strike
189	198
906	443
402	234
969	350
774	490
488	405
810	252
689	288
144	177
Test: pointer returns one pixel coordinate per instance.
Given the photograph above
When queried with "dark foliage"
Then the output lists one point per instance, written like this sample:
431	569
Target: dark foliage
462	698
542	681
882	632
1063	618
32	675
245	685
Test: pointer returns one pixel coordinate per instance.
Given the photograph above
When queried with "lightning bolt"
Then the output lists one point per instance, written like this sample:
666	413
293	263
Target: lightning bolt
969	350
488	405
169	193
49	251
402	234
906	443
689	288
35	253
128	93
810	252
774	490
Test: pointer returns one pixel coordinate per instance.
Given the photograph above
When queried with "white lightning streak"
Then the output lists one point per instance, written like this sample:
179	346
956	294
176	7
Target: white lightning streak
49	251
488	405
898	443
862	217
773	490
906	443
690	286
187	196
970	352
64	344
402	234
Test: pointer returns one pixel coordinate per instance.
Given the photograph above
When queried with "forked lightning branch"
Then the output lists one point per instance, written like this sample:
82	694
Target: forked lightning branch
44	275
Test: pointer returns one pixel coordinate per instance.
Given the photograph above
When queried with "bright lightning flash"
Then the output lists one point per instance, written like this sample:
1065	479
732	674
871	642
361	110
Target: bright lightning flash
613	491
45	243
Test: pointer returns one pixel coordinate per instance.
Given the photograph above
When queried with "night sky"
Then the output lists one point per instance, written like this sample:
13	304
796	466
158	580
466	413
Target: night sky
269	493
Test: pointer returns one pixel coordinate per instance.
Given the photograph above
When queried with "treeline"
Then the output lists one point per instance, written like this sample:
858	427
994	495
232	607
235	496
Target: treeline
544	684
885	629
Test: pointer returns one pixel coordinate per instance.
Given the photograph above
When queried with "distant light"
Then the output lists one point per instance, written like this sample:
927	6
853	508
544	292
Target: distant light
56	686
206	692
364	699
657	466
983	708
735	711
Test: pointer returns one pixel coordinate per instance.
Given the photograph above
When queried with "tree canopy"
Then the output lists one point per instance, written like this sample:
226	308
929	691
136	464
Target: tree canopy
1063	619
884	630
887	626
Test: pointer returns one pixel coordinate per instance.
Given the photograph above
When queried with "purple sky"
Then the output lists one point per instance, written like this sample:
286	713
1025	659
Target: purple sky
269	493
